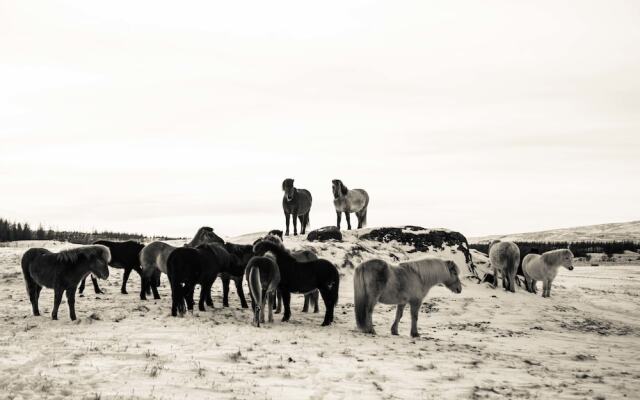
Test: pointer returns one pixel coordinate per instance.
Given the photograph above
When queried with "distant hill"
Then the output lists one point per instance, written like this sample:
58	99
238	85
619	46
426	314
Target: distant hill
621	231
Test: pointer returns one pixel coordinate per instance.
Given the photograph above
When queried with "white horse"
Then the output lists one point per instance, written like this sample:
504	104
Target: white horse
504	258
408	282
350	201
544	268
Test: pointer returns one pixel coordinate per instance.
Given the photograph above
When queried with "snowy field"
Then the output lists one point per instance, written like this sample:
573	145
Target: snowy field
584	342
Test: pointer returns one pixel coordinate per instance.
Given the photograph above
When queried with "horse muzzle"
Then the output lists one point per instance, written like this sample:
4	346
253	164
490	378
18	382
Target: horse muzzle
570	267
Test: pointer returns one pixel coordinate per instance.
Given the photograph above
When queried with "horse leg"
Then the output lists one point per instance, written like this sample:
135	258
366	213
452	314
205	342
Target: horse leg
125	278
270	309
34	293
295	225
305	308
512	282
545	288
203	296
549	289
277	301
415	311
96	288
286	218
240	290
347	216
314	299
225	291
399	310
71	301
534	286
495	278
138	269
81	288
329	302
188	295
57	298
286	299
339	218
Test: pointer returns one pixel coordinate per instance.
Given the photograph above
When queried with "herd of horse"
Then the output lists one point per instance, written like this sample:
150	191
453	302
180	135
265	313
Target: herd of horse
273	272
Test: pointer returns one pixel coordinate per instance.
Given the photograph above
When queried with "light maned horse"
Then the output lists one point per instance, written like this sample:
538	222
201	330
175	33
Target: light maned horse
263	278
350	201
296	203
544	268
153	259
62	272
376	281
504	258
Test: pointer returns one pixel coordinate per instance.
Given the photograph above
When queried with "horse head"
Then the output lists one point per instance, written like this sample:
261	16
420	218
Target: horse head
339	189
289	190
567	259
453	281
99	261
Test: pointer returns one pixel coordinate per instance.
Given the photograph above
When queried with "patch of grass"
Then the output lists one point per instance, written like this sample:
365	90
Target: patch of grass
236	356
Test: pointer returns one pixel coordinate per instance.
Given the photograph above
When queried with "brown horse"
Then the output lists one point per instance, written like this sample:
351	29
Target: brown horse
296	203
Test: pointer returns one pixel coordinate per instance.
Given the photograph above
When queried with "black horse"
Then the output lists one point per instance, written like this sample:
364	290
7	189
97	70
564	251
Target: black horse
296	203
124	255
62	272
240	256
187	267
303	277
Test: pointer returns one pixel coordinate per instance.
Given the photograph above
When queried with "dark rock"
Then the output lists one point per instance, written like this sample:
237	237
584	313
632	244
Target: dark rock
325	233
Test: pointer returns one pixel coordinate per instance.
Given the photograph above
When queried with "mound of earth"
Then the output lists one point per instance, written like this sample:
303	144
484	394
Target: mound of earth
433	241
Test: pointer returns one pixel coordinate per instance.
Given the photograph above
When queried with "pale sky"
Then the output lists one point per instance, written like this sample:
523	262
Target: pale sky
484	117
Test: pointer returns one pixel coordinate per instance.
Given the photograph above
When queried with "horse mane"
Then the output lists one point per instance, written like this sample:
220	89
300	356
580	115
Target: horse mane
238	249
89	252
552	256
430	272
273	245
285	182
343	189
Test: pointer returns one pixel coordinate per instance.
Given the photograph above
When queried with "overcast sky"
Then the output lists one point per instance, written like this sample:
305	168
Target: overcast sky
479	116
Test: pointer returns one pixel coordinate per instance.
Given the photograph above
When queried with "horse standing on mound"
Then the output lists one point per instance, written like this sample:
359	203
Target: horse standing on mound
504	258
153	259
544	268
263	278
303	277
187	267
62	272
124	255
376	281
350	201
296	203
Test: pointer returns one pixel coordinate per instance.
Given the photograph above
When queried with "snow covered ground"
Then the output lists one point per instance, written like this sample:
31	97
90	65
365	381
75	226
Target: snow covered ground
583	342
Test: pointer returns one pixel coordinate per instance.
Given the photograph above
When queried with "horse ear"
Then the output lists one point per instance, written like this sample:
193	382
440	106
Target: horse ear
283	182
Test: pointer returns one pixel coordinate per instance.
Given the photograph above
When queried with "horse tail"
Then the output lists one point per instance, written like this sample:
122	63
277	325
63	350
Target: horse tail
27	259
307	219
363	216
369	280
177	291
255	286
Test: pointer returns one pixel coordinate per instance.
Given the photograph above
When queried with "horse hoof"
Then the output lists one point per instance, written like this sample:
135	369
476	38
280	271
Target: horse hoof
326	323
156	297
415	335
245	306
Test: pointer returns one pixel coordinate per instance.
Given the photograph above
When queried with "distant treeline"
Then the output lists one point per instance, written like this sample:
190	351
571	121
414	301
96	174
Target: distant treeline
579	249
11	231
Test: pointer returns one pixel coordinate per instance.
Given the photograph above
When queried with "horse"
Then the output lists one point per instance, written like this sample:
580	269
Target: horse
296	203
301	255
240	254
123	255
263	278
303	277
544	268
376	281
187	267
504	258
153	259
62	272
350	201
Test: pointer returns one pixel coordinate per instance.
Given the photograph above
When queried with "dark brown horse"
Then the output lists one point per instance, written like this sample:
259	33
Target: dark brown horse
124	255
62	272
296	203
